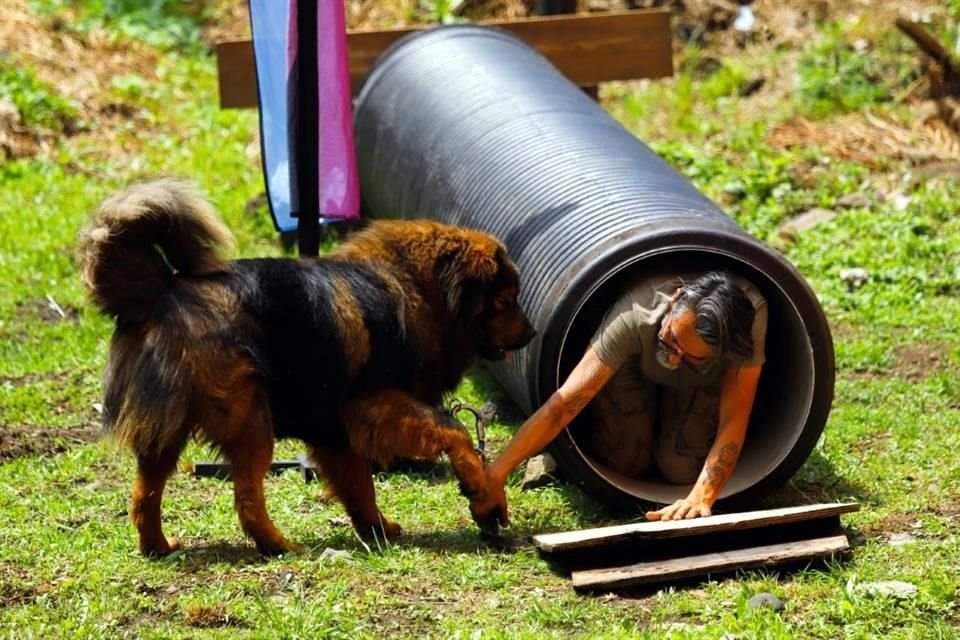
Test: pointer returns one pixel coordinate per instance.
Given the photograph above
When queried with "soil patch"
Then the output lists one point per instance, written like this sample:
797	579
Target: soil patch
917	361
47	309
18	441
79	66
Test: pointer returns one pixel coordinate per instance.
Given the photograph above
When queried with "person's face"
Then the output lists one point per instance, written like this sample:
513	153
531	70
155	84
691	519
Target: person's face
678	342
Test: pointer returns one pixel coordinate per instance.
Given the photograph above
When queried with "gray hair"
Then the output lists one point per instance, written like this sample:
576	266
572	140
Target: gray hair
724	314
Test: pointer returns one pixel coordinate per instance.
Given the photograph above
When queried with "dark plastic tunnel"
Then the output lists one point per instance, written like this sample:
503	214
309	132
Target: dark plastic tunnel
470	126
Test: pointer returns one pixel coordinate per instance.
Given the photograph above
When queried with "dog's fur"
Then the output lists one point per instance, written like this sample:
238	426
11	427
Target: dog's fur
350	353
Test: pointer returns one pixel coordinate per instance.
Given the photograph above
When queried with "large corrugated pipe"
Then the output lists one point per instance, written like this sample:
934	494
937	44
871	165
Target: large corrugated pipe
471	126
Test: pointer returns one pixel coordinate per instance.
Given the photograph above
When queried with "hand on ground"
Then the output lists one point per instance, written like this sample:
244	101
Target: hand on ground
685	509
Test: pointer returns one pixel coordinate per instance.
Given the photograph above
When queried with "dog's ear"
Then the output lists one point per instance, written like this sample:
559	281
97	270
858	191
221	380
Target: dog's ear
465	273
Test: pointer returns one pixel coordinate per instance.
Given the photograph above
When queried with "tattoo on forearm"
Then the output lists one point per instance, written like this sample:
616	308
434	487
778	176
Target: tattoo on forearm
728	454
718	472
716	476
594	380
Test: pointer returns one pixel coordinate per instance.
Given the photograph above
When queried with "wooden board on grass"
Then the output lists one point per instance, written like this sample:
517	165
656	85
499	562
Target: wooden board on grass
587	49
685	567
571	540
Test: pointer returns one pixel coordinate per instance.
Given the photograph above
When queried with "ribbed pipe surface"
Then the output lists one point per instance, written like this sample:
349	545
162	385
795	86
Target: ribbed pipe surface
471	126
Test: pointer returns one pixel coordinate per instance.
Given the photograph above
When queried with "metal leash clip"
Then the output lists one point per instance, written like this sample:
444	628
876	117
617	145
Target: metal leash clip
458	406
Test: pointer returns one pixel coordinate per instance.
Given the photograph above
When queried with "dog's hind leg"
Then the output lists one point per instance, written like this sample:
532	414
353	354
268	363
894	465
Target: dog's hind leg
350	478
247	443
393	424
152	475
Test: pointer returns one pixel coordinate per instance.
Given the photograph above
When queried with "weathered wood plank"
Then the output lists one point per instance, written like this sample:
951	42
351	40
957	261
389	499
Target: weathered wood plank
587	48
678	568
636	531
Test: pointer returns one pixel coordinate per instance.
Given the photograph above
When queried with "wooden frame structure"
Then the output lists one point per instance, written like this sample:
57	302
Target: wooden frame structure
588	49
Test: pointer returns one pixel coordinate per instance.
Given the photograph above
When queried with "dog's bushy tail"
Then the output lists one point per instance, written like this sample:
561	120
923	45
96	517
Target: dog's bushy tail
141	237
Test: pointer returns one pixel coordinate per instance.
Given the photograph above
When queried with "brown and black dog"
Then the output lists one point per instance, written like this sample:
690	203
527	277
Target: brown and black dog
350	353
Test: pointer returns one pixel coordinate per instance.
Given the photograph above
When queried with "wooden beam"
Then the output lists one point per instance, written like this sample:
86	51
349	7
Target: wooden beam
587	49
638	531
678	568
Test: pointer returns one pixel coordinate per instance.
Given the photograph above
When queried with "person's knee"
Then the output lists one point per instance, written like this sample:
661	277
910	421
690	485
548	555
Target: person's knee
677	469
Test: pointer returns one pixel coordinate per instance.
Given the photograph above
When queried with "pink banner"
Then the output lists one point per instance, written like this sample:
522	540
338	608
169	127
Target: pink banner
337	181
339	185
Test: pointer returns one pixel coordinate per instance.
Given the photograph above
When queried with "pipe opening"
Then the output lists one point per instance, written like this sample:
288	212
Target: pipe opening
784	396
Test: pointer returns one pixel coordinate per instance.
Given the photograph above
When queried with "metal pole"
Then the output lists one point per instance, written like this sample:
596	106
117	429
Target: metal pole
304	132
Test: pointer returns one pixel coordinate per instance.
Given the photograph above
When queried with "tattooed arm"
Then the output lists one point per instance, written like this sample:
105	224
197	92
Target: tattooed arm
583	383
736	402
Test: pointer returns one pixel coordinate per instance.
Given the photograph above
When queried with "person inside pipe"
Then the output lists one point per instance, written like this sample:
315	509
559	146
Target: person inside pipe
669	380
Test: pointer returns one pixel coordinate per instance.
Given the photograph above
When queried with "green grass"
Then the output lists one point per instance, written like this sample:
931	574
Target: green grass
38	104
165	24
68	565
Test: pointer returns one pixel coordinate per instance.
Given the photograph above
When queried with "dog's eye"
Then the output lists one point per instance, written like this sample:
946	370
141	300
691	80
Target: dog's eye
502	304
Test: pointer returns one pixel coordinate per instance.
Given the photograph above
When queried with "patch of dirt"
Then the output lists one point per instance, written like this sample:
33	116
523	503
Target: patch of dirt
917	361
47	309
871	140
949	509
870	442
16	587
32	378
206	617
914	362
78	66
893	523
20	441
908	522
12	595
16	139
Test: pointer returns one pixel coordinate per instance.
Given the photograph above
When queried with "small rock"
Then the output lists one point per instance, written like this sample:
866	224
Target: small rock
854	201
765	601
340	521
745	19
900	539
489	411
899	201
9	112
860	45
854	277
889	588
538	471
804	221
336	554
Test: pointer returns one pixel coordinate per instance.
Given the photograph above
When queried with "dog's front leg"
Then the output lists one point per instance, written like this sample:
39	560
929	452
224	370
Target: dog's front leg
392	424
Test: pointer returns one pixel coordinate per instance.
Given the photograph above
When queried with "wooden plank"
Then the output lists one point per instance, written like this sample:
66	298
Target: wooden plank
636	531
236	75
678	568
588	49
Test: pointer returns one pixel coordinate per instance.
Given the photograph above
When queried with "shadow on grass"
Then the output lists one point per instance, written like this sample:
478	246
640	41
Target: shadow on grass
817	481
199	557
468	540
